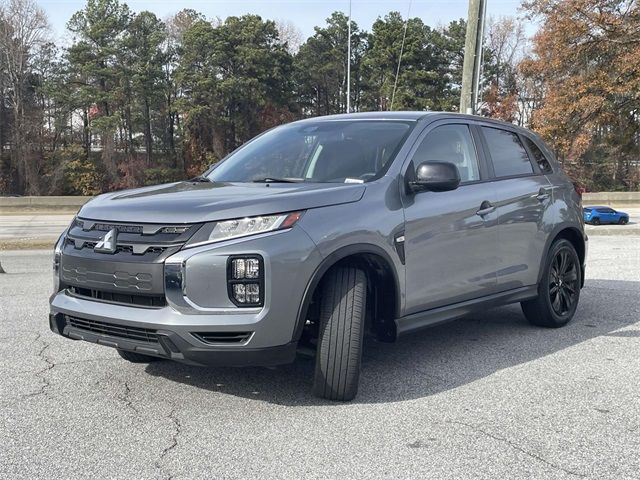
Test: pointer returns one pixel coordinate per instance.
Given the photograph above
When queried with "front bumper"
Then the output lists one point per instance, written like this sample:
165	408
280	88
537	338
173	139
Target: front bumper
203	308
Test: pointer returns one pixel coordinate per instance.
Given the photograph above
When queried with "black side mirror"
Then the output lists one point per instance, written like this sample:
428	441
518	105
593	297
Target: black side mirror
436	177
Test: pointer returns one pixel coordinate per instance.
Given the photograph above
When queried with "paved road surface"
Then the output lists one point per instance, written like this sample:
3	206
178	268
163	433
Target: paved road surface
485	397
33	226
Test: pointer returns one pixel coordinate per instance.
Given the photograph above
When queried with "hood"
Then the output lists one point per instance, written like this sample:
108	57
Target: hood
189	202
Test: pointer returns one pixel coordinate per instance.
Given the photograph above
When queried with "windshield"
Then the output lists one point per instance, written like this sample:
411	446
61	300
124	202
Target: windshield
326	151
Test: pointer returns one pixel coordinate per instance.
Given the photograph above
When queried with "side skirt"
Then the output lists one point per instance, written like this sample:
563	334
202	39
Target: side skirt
428	318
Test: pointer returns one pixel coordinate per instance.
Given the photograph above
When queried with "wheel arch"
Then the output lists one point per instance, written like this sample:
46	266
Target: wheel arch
574	235
373	259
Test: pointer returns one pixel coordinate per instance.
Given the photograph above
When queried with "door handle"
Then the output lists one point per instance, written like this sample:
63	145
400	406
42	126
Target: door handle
543	194
485	208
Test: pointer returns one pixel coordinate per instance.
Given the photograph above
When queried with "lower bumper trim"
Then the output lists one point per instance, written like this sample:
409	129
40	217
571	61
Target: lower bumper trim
173	347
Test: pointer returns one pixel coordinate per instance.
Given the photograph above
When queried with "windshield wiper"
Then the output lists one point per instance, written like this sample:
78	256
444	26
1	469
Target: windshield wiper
278	180
200	179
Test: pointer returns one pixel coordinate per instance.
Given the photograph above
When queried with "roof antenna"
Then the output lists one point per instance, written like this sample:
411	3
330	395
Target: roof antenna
404	36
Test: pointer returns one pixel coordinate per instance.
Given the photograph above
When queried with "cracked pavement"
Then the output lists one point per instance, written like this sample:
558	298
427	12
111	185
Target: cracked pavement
484	397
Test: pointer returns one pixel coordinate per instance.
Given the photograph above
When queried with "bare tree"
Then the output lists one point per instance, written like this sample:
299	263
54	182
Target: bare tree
290	34
23	28
507	45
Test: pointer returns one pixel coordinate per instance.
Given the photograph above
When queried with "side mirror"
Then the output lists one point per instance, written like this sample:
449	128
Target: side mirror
436	177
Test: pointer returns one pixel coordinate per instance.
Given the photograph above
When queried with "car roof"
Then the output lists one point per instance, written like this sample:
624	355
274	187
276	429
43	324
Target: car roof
412	116
597	206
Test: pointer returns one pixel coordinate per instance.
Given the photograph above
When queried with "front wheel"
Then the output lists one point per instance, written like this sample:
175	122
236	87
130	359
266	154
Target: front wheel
559	288
623	221
342	317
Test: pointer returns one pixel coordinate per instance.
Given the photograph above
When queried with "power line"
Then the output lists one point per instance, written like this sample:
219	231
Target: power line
349	61
404	36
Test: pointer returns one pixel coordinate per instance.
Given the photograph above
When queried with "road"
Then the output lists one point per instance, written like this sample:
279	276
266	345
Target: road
31	230
484	397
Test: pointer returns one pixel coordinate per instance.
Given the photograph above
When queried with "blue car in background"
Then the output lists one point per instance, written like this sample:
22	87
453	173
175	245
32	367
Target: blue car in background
600	215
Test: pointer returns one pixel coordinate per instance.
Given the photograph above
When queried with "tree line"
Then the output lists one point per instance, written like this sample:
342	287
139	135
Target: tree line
134	99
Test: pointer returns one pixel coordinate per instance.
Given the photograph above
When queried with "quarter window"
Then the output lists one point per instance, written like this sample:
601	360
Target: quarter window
508	155
538	156
450	143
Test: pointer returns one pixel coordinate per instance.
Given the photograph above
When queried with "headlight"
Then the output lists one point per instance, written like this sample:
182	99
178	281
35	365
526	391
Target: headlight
243	227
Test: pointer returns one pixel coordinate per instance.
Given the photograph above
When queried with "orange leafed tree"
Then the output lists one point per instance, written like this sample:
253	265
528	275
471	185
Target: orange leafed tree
588	53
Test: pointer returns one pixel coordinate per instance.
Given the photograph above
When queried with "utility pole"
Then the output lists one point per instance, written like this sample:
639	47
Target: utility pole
472	56
349	61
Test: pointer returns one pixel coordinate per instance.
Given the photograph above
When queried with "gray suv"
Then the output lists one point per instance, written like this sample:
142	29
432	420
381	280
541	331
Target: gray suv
318	232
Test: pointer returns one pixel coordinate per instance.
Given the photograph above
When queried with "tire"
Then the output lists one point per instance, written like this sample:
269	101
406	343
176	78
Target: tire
623	221
137	357
559	288
595	221
342	318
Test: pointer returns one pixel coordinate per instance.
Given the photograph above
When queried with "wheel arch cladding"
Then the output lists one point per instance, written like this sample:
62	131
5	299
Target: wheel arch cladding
377	266
573	235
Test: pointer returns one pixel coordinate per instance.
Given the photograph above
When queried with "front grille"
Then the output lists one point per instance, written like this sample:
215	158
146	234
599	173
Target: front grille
137	243
214	338
151	301
143	250
137	334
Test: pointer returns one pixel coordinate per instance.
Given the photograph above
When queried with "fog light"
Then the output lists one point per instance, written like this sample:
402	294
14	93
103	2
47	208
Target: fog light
253	293
245	268
239	293
245	277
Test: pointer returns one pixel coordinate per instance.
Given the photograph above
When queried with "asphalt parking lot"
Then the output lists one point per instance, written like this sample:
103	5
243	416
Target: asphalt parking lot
483	397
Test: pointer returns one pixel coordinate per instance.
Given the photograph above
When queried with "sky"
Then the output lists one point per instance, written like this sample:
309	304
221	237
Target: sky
305	14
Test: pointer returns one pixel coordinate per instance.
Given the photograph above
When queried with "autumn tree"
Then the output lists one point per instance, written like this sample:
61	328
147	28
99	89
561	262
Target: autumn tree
588	53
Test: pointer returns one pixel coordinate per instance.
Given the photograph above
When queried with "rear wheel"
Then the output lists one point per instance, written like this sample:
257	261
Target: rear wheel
595	221
137	357
342	317
559	288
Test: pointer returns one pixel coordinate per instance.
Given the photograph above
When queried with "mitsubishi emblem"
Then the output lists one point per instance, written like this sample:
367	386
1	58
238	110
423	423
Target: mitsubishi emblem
108	243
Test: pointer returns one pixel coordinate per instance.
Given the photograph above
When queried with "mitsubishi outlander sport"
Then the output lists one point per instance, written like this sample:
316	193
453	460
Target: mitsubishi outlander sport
320	232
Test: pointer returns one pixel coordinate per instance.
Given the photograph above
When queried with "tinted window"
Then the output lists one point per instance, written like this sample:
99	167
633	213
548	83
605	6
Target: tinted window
507	153
606	210
450	143
325	151
538	156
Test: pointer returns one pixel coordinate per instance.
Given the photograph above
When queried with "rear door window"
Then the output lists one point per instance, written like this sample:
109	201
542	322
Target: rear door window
508	155
538	156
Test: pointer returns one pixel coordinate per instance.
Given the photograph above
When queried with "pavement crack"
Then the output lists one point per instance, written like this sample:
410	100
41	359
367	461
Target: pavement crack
517	447
42	373
177	428
126	397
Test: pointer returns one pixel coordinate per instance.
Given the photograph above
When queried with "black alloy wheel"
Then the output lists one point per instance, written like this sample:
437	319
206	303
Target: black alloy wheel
563	282
558	289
